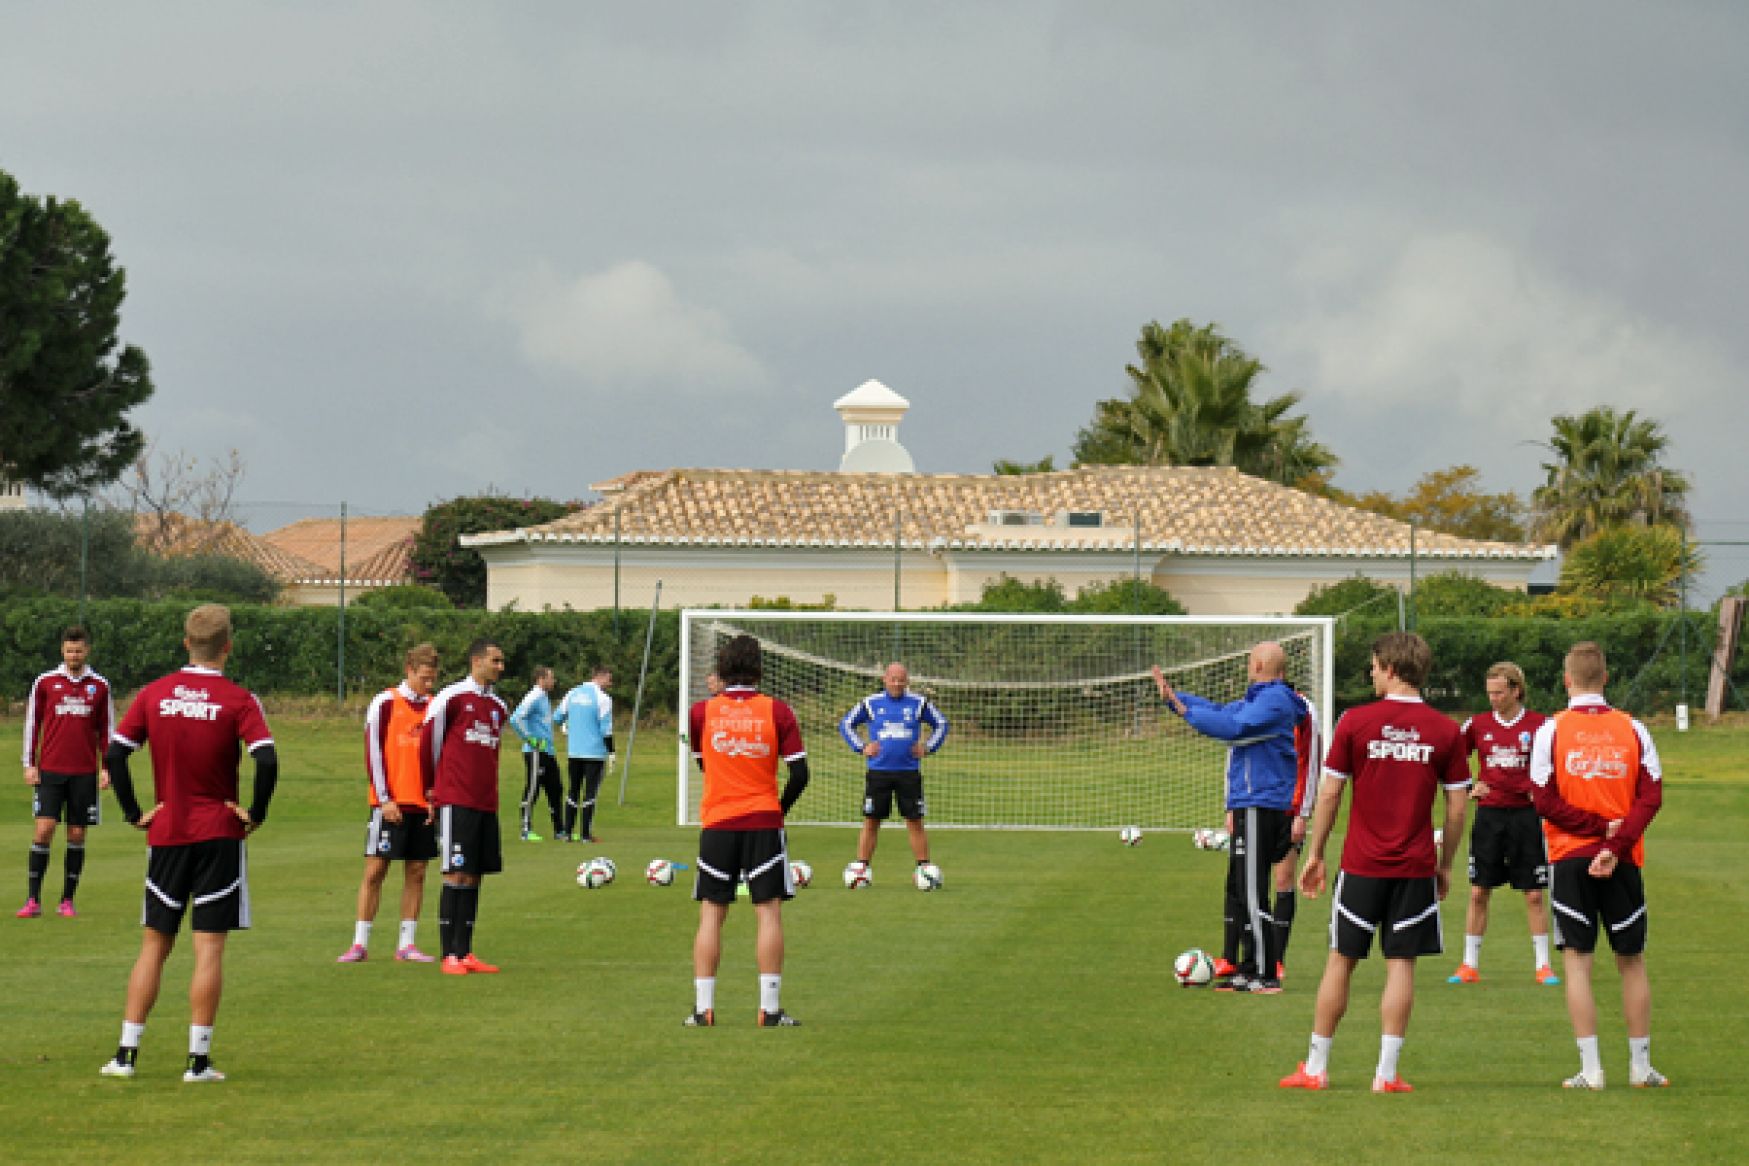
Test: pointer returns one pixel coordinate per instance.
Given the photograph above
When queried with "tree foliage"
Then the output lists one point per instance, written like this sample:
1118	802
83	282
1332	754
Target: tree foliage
1629	564
1190	405
440	560
403	597
1356	593
1045	465
40	553
1452	501
65	384
1608	470
1045	596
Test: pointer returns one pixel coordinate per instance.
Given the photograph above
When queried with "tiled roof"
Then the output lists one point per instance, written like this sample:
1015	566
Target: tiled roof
177	535
1188	510
378	550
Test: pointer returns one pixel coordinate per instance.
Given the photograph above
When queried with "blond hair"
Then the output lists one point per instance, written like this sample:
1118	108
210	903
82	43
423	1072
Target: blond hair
207	632
421	656
1585	666
1509	672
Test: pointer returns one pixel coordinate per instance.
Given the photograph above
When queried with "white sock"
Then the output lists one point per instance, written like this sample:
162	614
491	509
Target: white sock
361	933
1390	1048
409	928
769	989
131	1034
1473	950
1541	943
1318	1056
1639	1053
704	994
200	1039
1589	1062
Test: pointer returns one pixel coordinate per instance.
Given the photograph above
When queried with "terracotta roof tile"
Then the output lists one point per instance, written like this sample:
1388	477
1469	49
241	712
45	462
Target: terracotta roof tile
1193	510
378	550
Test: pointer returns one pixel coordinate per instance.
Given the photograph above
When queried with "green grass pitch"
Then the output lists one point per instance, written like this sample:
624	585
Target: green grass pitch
1026	1013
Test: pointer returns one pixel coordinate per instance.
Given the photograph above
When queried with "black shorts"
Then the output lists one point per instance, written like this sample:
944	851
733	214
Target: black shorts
759	858
413	837
212	876
881	788
1506	846
74	793
1403	913
1579	902
468	841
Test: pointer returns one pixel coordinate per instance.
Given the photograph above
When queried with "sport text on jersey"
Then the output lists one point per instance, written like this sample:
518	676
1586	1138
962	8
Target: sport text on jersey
739	734
1506	757
480	733
1597	756
897	730
196	704
73	705
1399	745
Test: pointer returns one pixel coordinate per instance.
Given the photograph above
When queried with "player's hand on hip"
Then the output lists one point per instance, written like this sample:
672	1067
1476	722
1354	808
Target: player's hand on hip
872	749
1603	865
1312	878
242	816
392	813
1479	790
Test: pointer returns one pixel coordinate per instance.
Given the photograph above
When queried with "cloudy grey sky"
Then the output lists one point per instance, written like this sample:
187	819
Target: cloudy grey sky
397	251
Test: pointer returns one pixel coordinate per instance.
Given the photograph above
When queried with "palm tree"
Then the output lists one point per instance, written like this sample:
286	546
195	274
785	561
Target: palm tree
1190	405
1607	472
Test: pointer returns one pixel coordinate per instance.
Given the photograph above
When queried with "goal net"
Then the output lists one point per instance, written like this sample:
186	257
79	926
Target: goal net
1055	720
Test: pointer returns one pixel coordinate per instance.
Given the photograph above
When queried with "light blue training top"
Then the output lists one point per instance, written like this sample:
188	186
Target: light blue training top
587	715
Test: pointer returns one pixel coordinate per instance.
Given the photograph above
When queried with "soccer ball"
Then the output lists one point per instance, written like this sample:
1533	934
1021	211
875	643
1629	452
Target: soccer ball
1218	839
857	876
612	870
1193	969
1201	838
800	873
593	875
1130	835
927	877
660	873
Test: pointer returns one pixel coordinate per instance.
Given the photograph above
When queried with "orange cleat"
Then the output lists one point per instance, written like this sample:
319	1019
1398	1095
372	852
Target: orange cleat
1300	1079
1465	974
1225	968
476	965
453	966
1545	976
1394	1085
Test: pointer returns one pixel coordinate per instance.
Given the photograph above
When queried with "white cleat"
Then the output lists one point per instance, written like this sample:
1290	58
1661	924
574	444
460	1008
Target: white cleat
207	1074
1581	1080
1650	1079
116	1069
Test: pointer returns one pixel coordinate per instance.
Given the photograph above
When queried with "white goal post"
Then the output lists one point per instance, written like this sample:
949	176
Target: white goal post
1055	721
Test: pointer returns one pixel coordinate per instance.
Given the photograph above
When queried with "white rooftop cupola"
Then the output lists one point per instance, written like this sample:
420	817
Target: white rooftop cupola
871	414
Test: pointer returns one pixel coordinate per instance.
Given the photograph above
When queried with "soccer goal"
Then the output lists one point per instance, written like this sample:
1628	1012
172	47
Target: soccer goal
1056	724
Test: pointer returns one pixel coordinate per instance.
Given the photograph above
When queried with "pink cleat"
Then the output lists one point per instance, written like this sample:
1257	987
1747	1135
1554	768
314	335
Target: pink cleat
30	910
1300	1079
65	910
356	954
412	955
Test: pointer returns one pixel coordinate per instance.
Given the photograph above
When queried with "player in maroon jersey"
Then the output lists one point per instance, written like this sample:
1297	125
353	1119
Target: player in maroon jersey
1506	840
66	724
1397	753
458	758
197	724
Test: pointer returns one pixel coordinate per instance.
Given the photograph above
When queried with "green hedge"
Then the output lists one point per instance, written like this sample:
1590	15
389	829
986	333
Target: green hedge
290	651
1644	650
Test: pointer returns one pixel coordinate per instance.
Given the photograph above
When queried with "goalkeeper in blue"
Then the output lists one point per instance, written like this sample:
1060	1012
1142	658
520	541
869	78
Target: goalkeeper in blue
533	722
1262	773
894	729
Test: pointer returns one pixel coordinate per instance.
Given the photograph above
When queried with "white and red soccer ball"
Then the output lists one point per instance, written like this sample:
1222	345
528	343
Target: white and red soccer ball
857	876
927	877
1130	835
660	873
800	873
1193	969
